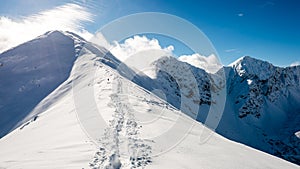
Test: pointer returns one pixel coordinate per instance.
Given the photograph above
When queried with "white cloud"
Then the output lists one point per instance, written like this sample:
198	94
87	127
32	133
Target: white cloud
233	51
297	63
209	63
148	50
267	4
68	17
137	44
240	14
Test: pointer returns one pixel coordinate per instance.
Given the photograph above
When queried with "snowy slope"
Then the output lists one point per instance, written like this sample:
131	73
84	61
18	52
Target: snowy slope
30	72
136	124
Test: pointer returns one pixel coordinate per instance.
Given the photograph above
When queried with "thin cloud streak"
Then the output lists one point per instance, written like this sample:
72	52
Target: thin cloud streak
68	17
267	4
231	50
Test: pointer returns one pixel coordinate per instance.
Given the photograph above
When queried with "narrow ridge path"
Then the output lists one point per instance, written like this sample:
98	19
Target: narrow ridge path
121	146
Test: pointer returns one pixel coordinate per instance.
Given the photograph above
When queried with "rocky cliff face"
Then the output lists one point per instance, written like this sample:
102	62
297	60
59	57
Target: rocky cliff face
262	102
267	97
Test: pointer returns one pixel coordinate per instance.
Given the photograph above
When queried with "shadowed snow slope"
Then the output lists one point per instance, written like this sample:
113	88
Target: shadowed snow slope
138	129
30	72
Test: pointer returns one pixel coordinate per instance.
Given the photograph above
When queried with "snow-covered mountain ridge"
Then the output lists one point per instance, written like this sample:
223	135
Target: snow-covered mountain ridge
54	113
268	98
262	101
264	80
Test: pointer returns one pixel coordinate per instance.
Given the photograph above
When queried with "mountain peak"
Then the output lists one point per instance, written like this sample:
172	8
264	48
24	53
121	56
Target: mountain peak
58	33
57	36
247	65
53	32
246	60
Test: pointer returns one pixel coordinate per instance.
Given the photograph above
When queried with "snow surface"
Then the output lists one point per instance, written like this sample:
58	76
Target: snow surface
30	72
134	119
297	134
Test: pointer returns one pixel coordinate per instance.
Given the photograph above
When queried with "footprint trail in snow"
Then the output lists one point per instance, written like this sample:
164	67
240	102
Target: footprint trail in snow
121	146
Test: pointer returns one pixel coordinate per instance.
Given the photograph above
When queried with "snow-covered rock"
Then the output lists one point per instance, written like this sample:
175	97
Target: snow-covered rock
266	102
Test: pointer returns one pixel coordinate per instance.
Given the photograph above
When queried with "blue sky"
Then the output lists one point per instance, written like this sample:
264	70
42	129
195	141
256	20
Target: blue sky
268	30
